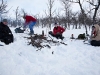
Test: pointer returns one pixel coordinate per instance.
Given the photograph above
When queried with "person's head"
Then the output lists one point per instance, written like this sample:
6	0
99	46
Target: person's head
93	27
24	17
55	24
72	35
5	21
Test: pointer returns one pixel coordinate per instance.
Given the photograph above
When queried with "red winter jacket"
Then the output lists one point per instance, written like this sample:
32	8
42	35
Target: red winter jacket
29	19
58	29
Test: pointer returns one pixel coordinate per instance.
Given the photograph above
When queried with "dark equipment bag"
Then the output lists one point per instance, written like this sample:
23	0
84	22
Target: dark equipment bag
19	30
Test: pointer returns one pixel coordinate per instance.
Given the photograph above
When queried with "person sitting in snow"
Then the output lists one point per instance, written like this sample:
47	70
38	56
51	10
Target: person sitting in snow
95	35
6	35
72	36
31	21
57	32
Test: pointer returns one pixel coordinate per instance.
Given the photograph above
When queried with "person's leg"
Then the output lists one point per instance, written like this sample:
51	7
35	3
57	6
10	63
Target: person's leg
51	33
59	36
11	38
6	40
31	24
93	42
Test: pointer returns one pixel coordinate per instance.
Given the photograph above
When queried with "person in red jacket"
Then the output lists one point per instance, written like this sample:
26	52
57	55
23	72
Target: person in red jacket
31	21
57	32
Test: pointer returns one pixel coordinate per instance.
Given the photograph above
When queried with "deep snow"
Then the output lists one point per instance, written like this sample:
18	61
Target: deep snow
76	58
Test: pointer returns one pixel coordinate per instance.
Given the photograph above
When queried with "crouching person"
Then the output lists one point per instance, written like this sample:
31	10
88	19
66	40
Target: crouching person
57	32
95	35
6	35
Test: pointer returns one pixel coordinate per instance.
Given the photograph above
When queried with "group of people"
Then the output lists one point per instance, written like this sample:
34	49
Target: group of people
7	37
94	38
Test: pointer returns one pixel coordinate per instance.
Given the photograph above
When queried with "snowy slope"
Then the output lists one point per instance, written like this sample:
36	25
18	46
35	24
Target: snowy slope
76	58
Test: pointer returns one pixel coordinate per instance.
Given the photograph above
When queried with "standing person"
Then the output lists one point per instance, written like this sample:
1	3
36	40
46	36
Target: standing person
6	35
31	21
57	32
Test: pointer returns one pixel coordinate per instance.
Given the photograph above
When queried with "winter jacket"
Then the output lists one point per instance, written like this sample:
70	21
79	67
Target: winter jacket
6	35
58	29
95	39
97	33
29	19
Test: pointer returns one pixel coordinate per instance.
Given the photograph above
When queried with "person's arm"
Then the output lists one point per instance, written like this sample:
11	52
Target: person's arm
9	31
94	33
26	21
54	30
62	29
1	32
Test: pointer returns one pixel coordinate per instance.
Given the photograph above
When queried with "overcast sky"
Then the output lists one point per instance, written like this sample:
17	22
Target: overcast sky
32	6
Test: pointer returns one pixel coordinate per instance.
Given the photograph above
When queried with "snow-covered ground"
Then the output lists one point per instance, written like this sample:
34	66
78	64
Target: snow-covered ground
76	58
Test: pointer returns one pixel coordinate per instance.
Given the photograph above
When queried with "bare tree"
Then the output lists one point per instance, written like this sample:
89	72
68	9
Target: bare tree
17	17
50	11
3	6
58	16
67	10
75	20
82	11
44	21
23	12
17	14
96	8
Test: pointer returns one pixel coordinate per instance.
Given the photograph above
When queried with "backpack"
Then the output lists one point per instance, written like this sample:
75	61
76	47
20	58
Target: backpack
19	30
81	36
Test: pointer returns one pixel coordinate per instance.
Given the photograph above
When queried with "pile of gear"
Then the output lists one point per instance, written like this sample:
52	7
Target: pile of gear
19	30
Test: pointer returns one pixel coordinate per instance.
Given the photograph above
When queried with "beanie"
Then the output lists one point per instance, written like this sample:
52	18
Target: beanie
55	23
4	20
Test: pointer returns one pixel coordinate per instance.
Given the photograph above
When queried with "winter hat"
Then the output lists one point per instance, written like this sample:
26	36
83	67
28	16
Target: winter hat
5	20
55	23
24	15
93	26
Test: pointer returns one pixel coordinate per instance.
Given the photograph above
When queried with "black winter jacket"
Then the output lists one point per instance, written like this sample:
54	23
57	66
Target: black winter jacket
5	33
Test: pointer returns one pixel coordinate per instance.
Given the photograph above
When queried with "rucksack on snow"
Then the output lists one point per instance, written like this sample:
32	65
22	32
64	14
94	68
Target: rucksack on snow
19	30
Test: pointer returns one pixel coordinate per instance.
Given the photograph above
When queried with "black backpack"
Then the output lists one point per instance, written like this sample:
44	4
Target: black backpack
19	30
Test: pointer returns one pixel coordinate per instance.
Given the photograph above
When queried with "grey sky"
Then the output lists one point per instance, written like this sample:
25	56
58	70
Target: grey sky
30	6
33	6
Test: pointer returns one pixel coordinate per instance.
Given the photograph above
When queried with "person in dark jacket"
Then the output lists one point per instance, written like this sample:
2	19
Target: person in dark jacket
6	35
31	21
57	32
